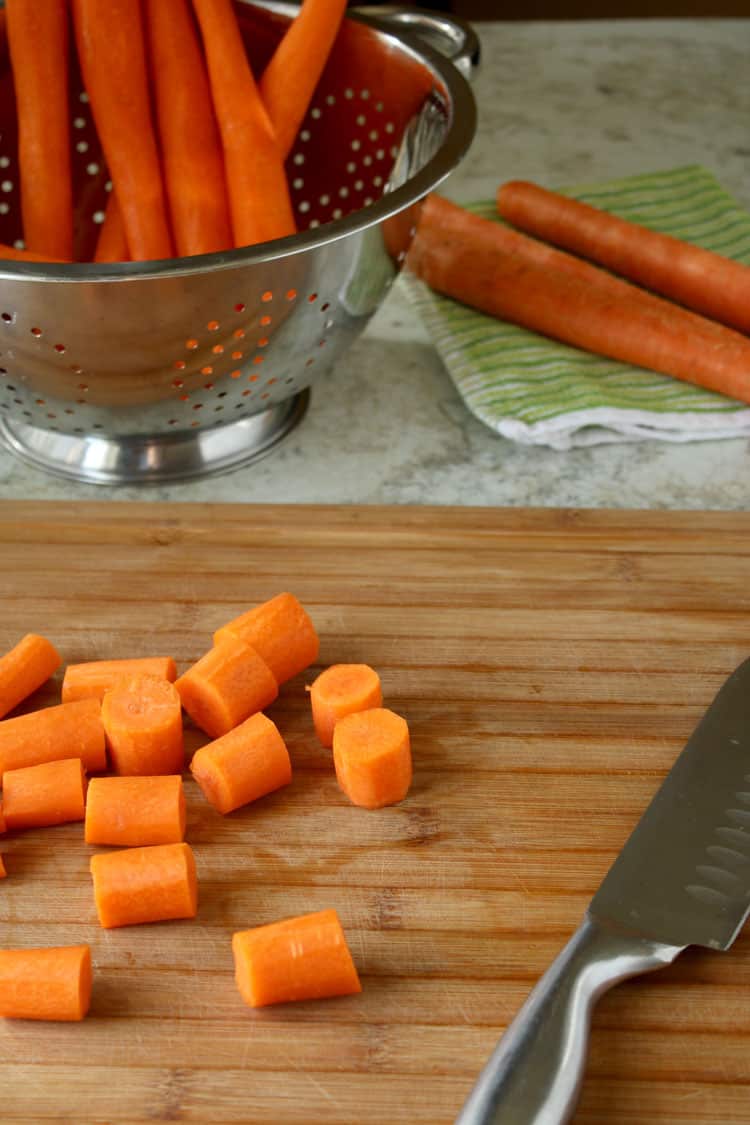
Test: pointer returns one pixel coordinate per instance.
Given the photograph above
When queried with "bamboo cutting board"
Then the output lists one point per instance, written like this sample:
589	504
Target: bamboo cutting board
551	665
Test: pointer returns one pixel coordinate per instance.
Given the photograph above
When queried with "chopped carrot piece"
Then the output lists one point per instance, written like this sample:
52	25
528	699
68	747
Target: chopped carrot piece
245	764
69	730
96	677
155	884
24	669
135	811
303	958
45	984
226	686
142	720
372	756
281	631
3	872
43	795
341	690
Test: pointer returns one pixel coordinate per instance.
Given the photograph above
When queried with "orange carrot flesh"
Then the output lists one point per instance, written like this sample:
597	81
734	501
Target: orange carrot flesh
44	795
69	730
13	254
190	143
305	958
25	668
243	765
142	719
226	686
3	872
137	885
290	78
112	242
135	811
112	55
259	200
372	757
38	39
456	254
281	631
45	984
708	283
341	690
92	680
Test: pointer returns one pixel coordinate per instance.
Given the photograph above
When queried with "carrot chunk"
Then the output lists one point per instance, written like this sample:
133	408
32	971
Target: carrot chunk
45	984
69	730
135	811
25	668
227	685
281	631
153	884
243	765
142	720
304	958
43	795
341	690
372	757
95	678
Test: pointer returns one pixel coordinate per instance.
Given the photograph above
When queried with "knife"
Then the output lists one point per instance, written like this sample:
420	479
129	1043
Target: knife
682	878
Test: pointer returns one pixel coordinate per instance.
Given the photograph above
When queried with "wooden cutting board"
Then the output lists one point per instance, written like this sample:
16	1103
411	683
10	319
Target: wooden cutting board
551	665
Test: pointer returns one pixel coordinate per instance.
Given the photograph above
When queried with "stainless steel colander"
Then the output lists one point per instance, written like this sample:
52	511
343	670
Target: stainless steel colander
167	370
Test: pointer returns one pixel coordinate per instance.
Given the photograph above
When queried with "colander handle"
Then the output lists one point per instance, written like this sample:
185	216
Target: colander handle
452	37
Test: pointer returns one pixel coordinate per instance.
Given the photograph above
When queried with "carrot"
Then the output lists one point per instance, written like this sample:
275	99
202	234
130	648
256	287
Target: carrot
43	795
304	958
45	984
259	200
281	631
372	757
3	825
112	243
93	679
25	668
3	872
142	719
341	690
112	56
38	40
243	765
290	78
154	884
456	253
709	283
190	143
69	730
135	811
13	254
226	686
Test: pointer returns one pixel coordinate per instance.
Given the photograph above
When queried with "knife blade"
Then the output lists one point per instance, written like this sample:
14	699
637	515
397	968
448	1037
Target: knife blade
682	878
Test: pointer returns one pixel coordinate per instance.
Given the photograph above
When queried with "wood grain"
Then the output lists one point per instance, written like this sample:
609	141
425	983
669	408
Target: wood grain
551	665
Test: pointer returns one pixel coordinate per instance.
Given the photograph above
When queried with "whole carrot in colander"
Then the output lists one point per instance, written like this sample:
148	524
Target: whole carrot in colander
259	201
38	40
112	244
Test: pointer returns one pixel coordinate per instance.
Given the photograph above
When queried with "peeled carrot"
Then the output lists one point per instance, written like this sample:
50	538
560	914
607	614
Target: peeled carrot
155	884
69	730
135	811
281	631
25	668
341	690
12	253
43	795
3	872
226	686
305	958
709	283
112	243
45	984
455	253
243	765
259	200
290	78
93	679
38	39
112	56
372	757
190	142
142	719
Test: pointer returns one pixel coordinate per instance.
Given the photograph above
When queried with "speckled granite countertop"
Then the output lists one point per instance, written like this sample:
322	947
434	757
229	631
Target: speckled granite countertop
558	102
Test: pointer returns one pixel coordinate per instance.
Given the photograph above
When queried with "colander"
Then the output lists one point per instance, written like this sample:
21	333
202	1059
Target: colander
174	369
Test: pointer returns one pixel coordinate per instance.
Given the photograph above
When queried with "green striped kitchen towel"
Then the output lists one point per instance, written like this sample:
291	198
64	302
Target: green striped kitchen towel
540	392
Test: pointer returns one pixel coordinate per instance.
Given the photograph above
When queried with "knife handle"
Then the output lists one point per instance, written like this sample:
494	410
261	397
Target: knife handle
535	1073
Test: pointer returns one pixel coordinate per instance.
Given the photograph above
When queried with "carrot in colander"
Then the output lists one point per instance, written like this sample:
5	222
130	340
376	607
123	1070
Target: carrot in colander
112	243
